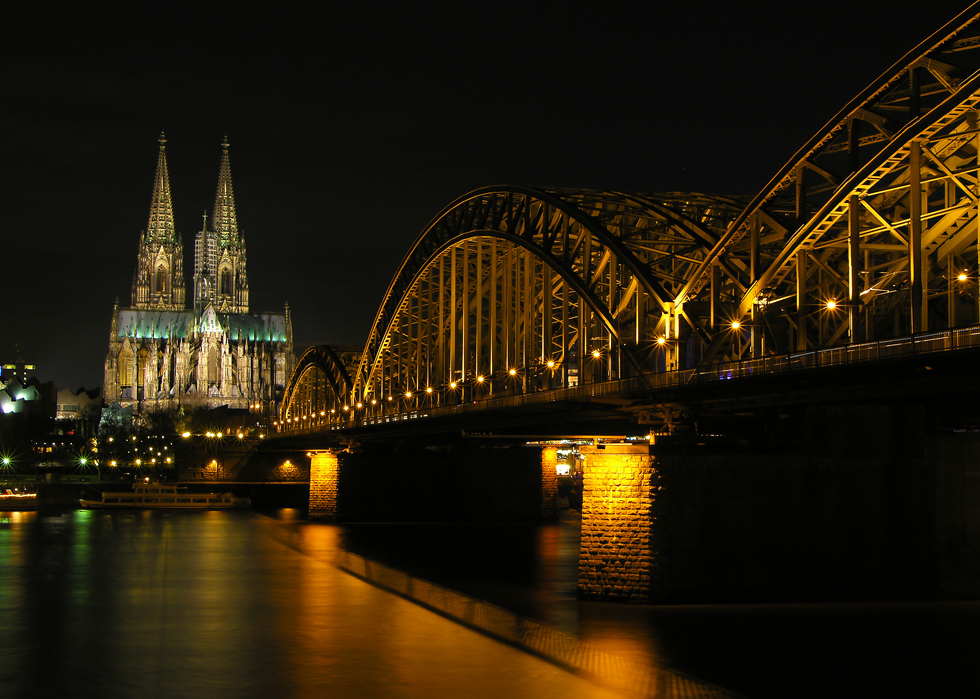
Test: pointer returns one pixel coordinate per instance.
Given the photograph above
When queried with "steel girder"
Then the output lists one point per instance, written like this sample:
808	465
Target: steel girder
534	280
839	249
320	379
868	231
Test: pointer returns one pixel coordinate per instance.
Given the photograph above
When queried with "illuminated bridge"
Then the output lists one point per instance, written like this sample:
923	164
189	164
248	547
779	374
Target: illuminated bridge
863	248
868	234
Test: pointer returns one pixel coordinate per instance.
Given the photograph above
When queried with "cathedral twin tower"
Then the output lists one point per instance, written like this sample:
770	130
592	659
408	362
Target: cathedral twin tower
219	251
162	354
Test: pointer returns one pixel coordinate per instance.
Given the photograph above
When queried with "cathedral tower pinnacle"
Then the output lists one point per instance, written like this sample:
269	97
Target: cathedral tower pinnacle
159	278
219	251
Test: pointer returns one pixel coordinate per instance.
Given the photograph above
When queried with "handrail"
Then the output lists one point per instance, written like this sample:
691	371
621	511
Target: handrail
858	353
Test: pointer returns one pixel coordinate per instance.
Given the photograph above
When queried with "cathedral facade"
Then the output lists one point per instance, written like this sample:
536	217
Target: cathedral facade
163	354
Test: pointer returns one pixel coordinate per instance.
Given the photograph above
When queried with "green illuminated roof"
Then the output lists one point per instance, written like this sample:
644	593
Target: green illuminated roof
267	327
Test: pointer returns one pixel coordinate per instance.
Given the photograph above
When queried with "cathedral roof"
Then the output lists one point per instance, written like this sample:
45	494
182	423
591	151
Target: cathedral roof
161	223
266	327
224	220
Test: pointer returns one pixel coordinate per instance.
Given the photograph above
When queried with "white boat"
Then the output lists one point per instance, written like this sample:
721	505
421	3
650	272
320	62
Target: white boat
160	496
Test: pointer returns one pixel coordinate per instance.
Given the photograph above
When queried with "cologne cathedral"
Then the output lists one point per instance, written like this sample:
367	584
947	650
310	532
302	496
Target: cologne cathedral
163	354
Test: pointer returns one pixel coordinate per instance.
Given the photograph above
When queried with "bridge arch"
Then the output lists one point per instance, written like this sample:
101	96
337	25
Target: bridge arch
519	289
837	243
319	382
868	232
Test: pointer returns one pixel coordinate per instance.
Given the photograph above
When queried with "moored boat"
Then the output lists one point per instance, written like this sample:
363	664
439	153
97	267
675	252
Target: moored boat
161	496
15	500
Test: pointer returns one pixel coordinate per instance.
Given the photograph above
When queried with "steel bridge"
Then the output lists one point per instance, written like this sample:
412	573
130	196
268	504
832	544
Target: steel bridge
865	239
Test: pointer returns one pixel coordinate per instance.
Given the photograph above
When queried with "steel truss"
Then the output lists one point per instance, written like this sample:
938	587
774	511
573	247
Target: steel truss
868	232
319	382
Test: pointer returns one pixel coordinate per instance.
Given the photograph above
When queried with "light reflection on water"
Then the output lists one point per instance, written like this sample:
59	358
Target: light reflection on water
193	604
187	604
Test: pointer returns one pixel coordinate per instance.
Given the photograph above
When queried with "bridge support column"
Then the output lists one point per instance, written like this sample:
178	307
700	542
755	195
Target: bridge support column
549	483
324	481
616	557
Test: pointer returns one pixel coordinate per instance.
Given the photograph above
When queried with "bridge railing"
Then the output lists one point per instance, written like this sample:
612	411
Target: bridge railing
893	348
857	353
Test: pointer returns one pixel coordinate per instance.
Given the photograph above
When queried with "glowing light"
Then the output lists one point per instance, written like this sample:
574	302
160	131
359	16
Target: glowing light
736	325
374	401
428	389
513	372
551	363
360	405
479	379
346	408
596	354
452	384
184	435
962	277
831	305
661	340
408	394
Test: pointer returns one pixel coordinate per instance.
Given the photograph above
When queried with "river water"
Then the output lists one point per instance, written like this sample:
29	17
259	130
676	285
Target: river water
247	604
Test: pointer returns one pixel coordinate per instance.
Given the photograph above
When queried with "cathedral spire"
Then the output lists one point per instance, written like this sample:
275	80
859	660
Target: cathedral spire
161	224
158	282
224	221
219	251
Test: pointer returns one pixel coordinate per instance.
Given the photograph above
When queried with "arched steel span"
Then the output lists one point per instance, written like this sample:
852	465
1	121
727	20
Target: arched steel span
512	288
837	224
321	378
868	232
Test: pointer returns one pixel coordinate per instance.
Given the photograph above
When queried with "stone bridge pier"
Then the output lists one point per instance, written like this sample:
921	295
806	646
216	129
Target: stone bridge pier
616	558
885	509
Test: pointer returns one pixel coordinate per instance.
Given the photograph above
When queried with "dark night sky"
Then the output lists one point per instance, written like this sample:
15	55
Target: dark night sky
351	129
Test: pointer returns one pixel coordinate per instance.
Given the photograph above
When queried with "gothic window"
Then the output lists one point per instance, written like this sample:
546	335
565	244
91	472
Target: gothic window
125	368
160	280
213	366
142	367
225	287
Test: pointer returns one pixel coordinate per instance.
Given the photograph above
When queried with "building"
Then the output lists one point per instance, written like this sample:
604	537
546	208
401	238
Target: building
163	354
81	406
19	369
